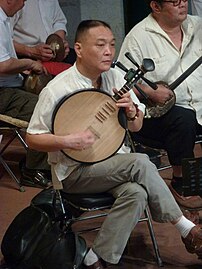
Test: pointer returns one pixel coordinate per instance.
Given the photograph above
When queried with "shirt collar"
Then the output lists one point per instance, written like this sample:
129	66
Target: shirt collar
87	80
3	15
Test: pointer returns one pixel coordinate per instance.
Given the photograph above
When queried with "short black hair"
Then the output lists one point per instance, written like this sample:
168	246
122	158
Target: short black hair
88	24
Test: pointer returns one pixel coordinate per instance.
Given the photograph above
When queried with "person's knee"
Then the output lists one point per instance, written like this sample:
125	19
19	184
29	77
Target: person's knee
134	193
143	162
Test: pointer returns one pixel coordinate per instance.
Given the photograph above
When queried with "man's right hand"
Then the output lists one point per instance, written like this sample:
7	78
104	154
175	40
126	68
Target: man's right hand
80	141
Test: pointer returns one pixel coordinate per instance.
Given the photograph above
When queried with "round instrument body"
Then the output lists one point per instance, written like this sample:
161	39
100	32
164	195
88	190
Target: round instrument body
158	110
94	110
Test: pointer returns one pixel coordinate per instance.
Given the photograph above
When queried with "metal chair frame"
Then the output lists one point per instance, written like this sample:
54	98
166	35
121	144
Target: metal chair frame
15	127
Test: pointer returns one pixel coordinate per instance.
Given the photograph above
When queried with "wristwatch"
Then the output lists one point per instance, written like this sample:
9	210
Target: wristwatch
133	118
136	115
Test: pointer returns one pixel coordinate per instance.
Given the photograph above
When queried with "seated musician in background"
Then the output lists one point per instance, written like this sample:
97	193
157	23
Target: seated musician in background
14	101
30	33
173	40
131	178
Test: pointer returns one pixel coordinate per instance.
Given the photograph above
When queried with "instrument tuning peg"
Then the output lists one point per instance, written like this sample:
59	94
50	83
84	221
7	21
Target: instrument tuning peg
121	66
130	57
148	65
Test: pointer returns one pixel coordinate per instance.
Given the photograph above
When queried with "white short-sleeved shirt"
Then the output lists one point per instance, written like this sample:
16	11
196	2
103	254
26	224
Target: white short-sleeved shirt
49	18
65	83
7	51
148	40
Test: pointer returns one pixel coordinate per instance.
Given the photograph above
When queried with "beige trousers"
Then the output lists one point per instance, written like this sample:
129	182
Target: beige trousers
135	182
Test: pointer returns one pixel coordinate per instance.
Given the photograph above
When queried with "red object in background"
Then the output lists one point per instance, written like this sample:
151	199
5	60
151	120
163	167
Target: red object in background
54	68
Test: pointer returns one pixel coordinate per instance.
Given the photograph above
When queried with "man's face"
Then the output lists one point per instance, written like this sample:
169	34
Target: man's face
97	49
174	14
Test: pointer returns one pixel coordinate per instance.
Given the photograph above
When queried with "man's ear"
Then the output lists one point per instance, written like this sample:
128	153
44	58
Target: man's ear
155	6
77	48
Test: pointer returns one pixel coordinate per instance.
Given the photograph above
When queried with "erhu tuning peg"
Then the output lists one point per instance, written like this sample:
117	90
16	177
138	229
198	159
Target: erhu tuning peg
121	66
147	66
130	57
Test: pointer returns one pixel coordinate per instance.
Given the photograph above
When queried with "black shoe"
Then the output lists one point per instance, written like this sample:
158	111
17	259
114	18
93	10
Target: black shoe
35	178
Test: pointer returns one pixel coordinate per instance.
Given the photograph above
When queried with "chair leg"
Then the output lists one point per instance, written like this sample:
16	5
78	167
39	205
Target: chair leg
154	241
8	143
20	138
7	168
16	134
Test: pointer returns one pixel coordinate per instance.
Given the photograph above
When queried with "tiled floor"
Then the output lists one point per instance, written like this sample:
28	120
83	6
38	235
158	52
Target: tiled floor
139	252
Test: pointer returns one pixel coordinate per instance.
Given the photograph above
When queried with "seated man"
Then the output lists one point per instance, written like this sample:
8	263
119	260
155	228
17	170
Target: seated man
29	38
14	101
173	40
130	177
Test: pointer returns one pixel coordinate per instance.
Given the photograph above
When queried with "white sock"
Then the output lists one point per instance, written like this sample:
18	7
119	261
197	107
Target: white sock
90	258
184	226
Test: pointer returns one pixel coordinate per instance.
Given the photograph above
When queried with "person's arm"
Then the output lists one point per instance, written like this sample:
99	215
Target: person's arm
15	66
135	122
41	51
51	142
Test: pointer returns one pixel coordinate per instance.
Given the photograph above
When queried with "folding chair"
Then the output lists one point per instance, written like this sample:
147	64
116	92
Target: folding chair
73	207
192	176
14	127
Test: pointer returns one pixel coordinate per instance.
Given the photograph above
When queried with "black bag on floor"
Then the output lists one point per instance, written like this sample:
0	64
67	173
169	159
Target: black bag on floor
33	241
48	201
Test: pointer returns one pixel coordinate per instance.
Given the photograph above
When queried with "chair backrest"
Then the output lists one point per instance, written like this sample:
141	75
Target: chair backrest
192	176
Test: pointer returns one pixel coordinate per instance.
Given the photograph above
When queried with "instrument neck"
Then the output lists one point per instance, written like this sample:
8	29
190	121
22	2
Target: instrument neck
118	95
181	78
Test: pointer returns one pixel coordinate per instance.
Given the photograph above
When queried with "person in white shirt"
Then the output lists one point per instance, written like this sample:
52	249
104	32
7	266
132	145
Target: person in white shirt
14	100
131	178
173	40
34	23
196	7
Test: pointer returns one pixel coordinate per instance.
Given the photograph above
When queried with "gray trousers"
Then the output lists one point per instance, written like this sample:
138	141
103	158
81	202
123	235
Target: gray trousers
135	182
19	104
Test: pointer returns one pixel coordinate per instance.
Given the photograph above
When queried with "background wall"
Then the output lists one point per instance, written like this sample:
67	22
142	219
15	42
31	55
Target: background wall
110	11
